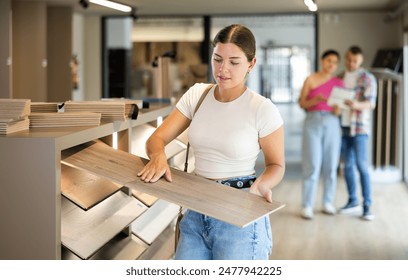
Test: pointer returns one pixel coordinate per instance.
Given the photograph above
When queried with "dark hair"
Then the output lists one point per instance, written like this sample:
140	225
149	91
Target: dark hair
330	52
355	50
239	35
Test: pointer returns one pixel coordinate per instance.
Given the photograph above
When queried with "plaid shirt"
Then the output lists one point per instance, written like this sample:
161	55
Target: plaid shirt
366	90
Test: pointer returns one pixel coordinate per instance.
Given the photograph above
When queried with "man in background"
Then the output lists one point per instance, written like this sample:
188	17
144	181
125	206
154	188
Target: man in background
356	125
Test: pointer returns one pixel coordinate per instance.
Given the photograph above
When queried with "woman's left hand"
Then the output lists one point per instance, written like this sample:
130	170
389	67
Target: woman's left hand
261	190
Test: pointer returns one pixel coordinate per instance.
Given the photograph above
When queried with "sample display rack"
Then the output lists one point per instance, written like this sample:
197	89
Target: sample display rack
40	221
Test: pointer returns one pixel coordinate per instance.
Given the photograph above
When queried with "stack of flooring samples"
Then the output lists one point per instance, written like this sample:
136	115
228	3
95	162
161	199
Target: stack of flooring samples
132	106
14	115
110	110
44	107
64	119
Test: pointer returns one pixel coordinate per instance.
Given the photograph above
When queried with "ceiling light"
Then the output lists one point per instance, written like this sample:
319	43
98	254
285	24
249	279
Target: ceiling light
112	5
311	5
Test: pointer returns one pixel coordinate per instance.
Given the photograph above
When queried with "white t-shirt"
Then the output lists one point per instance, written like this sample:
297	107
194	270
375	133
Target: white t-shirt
225	135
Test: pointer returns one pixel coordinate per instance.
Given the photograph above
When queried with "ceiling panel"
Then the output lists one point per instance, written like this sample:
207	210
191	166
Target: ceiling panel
223	7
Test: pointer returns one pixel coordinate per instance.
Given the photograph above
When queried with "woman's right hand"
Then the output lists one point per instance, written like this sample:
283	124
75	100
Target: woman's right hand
156	168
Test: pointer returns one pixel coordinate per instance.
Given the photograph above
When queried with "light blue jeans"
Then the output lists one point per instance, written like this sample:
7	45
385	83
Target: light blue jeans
355	153
320	152
206	238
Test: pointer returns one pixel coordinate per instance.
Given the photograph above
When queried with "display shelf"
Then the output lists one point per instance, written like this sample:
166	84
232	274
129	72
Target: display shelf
85	189
31	170
153	221
85	232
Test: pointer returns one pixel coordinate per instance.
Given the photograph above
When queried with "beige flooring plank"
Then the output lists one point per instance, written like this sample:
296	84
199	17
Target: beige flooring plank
187	190
147	199
162	248
101	159
85	232
85	189
121	247
153	221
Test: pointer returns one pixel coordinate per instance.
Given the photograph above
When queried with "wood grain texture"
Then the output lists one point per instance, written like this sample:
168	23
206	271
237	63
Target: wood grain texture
85	232
199	194
85	189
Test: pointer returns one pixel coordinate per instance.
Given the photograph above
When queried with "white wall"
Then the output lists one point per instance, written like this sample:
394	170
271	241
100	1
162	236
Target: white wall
87	45
92	58
366	29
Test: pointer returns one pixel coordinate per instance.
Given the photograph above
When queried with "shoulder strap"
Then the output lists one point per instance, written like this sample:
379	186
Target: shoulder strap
202	98
195	110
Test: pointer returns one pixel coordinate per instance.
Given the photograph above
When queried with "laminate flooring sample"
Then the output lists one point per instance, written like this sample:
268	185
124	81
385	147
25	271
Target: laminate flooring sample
85	232
147	199
154	220
85	189
227	204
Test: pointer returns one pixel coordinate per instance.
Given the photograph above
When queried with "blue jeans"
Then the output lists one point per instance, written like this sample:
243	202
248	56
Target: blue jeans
355	153
320	152
206	238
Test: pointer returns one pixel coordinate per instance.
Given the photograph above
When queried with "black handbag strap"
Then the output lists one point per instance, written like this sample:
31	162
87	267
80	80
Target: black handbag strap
195	110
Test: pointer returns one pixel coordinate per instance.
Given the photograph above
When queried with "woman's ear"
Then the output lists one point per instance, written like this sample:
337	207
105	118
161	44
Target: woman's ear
252	64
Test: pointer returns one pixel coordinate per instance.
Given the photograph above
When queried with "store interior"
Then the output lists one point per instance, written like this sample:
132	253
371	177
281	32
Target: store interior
70	50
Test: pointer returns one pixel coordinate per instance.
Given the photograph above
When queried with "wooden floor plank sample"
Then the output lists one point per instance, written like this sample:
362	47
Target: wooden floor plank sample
121	247
202	195
153	221
162	248
147	199
85	189
85	232
102	160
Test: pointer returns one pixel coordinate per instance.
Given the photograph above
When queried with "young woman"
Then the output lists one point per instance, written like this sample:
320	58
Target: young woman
227	133
321	135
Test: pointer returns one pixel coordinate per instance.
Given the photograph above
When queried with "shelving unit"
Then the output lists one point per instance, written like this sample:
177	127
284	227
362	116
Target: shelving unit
37	219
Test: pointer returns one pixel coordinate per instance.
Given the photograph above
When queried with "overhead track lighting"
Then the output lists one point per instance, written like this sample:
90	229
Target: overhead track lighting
112	5
311	5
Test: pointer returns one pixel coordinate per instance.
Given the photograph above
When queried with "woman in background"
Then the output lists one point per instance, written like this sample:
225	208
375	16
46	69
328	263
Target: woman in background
321	136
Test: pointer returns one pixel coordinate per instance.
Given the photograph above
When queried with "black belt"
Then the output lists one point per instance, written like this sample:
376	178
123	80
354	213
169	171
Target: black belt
238	183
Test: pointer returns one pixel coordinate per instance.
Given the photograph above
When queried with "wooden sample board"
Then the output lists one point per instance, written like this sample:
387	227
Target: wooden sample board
85	232
227	204
44	107
121	247
154	220
85	189
66	119
14	108
11	126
